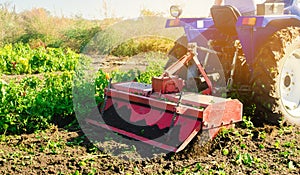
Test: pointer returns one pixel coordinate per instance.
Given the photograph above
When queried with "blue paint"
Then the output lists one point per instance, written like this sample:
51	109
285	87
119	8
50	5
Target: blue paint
252	38
291	7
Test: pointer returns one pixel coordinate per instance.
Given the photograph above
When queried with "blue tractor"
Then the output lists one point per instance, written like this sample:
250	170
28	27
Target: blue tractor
259	55
254	57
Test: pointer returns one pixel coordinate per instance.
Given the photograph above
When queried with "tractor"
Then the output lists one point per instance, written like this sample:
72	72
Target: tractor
258	53
225	54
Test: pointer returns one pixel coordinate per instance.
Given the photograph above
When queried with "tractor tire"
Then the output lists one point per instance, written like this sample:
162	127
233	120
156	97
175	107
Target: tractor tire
276	78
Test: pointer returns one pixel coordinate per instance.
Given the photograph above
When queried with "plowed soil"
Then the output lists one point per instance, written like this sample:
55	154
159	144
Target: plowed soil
264	150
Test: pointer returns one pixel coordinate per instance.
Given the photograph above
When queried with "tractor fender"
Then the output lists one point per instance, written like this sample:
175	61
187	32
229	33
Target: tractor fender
254	31
265	21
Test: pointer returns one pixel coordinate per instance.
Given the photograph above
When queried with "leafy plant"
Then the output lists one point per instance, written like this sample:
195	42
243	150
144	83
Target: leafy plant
22	59
33	103
78	38
143	44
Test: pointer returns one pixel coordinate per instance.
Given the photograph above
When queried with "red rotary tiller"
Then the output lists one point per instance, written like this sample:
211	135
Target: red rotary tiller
162	113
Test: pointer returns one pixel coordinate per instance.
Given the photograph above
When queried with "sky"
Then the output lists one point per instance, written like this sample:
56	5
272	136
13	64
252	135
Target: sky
99	9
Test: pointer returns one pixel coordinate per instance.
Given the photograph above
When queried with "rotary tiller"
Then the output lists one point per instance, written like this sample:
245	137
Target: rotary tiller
165	114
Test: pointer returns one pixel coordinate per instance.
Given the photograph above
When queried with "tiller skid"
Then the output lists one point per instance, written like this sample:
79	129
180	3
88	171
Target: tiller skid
162	114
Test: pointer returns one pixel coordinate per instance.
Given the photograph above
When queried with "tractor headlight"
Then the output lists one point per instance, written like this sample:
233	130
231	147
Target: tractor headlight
175	11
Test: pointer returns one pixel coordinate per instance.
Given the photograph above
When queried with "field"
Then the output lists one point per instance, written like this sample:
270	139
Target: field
39	113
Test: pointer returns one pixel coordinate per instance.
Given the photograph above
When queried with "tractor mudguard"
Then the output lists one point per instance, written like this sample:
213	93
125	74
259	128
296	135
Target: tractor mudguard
254	31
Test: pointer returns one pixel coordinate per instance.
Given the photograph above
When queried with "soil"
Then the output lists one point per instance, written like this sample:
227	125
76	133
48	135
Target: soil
62	151
109	63
267	149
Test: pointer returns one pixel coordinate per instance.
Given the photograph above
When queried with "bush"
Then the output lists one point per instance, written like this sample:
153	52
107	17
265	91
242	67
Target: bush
78	38
140	45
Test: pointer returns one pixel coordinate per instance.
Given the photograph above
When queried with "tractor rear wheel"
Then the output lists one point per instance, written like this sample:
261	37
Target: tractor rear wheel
276	77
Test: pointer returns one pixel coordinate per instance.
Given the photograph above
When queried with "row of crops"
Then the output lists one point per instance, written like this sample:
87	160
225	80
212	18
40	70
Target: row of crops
37	86
16	59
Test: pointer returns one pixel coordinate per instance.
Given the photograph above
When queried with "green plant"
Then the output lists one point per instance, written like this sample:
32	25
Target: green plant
247	123
225	151
22	59
143	44
262	135
261	146
277	144
78	38
244	158
119	76
33	103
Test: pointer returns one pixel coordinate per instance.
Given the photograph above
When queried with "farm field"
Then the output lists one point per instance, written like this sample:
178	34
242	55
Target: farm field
39	128
63	148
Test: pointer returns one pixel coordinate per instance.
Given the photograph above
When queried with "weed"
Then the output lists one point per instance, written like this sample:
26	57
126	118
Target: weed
244	158
262	135
243	146
76	173
198	167
277	144
247	123
225	152
76	141
261	146
284	154
289	144
141	45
